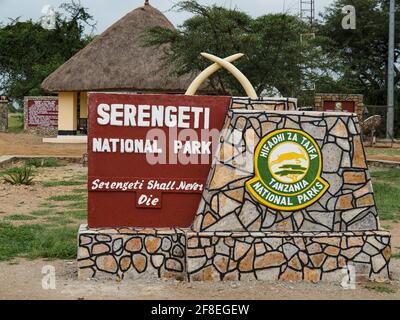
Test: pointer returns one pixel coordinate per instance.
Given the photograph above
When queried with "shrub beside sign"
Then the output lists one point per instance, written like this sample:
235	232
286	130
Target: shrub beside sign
149	157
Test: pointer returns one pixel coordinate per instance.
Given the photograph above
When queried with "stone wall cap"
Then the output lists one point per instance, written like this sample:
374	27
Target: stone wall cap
84	229
296	113
40	97
340	94
272	234
263	99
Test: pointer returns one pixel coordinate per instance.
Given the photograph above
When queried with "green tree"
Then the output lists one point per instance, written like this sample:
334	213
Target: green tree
29	53
275	55
361	52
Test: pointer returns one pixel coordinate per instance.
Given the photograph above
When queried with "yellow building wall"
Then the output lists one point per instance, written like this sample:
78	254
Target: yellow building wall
83	108
67	112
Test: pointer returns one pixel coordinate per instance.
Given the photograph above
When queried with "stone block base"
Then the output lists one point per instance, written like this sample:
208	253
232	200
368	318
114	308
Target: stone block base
131	253
325	256
214	256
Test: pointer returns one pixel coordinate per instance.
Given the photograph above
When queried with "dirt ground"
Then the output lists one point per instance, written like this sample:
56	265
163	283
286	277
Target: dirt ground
24	281
28	144
25	199
383	157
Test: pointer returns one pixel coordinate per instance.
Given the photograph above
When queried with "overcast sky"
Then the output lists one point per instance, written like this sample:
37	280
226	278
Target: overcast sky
106	12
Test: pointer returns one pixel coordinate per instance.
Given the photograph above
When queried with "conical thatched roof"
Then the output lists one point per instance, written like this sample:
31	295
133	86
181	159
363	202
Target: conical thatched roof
118	60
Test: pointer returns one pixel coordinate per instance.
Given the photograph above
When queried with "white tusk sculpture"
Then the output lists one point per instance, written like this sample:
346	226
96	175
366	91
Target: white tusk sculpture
206	73
226	64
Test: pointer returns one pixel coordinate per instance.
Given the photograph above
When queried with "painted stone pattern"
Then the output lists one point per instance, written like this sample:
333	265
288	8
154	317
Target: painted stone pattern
41	115
131	253
215	256
234	237
182	254
347	205
3	116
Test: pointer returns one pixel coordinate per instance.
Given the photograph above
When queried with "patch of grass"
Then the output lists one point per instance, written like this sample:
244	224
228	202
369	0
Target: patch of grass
77	205
386	174
381	288
41	213
59	220
81	178
21	176
19	217
384	151
386	197
67	197
44	162
77	214
396	255
15	122
37	241
48	205
9	171
62	183
386	185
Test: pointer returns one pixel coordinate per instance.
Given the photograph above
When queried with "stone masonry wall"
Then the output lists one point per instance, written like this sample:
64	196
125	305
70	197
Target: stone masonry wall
3	117
131	253
235	237
216	256
348	204
356	98
265	103
182	254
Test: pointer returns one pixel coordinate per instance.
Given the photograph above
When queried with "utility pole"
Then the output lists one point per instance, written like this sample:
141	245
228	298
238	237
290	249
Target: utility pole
307	11
390	74
307	14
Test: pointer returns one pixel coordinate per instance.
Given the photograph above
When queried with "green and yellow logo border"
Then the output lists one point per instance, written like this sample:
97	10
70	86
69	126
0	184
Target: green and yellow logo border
257	176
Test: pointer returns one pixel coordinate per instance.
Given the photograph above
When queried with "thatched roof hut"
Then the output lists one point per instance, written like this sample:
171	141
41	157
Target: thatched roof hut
118	60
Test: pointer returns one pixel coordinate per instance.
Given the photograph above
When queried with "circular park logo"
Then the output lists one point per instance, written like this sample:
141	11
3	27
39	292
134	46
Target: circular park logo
287	167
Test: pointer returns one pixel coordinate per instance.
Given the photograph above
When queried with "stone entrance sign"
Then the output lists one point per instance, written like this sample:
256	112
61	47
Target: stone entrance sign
41	115
241	224
271	194
261	239
347	204
149	157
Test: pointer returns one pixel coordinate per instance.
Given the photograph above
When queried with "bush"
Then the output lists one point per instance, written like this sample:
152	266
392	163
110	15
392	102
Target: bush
11	108
43	163
15	122
20	176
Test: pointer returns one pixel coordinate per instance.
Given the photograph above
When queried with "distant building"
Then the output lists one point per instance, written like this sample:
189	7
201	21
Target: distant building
116	60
